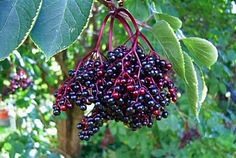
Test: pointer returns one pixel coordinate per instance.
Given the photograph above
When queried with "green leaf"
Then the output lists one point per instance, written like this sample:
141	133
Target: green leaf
17	18
202	88
138	8
196	89
18	146
59	24
174	22
202	50
132	141
165	36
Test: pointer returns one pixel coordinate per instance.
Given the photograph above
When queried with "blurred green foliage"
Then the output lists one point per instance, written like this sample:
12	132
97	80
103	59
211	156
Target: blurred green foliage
36	135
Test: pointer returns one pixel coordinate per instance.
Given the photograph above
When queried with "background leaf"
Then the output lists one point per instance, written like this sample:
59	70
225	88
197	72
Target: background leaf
59	24
174	22
139	8
202	50
164	35
17	18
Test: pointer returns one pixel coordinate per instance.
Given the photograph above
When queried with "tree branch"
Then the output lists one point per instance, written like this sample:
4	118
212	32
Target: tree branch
108	3
60	61
140	23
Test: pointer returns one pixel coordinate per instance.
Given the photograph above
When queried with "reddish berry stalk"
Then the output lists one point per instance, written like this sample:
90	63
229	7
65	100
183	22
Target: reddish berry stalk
127	85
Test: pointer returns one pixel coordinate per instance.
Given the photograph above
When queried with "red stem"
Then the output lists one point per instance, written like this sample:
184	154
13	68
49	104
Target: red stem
126	26
135	25
111	33
146	41
102	31
130	16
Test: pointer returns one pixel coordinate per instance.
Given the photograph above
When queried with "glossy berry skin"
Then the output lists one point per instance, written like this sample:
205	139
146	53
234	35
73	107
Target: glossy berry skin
132	87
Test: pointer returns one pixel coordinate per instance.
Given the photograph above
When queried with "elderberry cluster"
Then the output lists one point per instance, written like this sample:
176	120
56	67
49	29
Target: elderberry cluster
129	85
20	80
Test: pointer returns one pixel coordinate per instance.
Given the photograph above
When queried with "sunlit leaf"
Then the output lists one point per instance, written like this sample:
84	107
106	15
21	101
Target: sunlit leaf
196	89
165	36
174	22
202	50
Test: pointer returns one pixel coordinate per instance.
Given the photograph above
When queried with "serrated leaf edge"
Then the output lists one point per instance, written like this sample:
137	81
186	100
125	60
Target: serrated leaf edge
210	43
183	77
85	26
200	99
28	32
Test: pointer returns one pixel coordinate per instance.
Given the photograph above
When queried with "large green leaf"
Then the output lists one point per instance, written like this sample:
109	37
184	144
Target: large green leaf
17	18
165	36
202	50
59	24
196	89
174	22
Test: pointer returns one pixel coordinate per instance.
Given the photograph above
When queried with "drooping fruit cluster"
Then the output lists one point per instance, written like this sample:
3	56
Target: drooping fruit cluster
20	80
127	85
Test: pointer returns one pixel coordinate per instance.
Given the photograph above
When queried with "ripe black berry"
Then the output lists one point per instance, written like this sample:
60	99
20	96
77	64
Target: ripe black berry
128	84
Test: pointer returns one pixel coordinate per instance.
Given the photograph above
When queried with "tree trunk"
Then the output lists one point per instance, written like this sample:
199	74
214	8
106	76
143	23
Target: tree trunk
69	142
68	134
